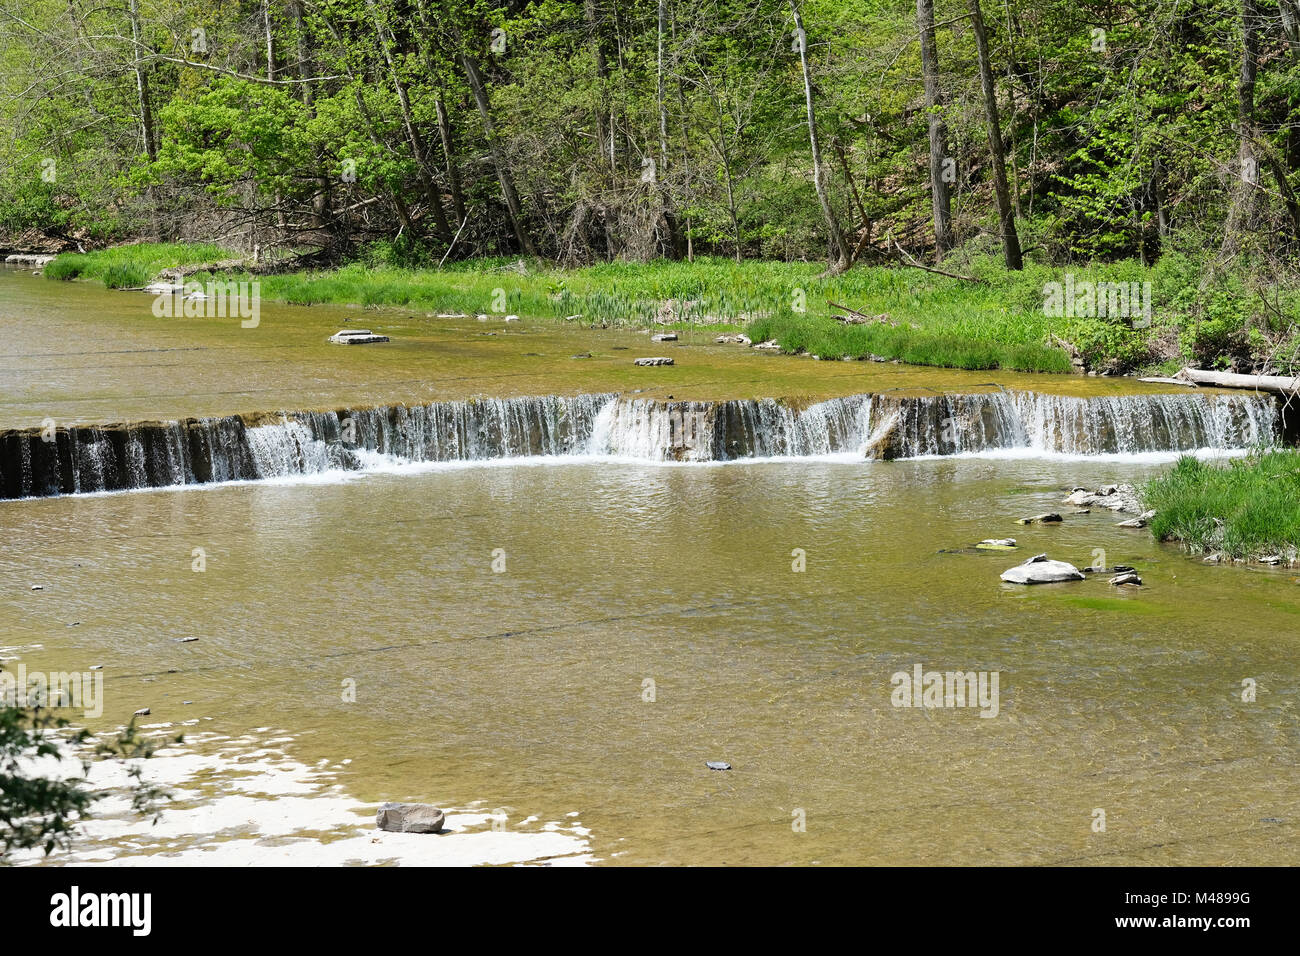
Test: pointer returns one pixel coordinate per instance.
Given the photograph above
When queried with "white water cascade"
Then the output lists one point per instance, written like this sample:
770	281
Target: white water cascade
199	451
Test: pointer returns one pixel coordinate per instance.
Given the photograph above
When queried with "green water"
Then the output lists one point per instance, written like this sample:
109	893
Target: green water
528	690
525	689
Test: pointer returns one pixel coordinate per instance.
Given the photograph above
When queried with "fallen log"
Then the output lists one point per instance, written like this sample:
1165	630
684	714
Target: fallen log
1281	384
855	317
1164	380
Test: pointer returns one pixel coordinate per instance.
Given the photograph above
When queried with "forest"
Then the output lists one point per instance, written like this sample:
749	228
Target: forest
945	134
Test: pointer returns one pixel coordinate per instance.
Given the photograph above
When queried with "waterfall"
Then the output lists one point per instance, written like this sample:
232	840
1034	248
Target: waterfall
92	458
1057	424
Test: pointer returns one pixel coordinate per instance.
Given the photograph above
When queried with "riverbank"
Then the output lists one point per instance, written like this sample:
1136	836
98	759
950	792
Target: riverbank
1243	510
1039	320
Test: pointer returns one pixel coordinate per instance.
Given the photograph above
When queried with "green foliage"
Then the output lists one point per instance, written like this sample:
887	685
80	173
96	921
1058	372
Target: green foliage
41	811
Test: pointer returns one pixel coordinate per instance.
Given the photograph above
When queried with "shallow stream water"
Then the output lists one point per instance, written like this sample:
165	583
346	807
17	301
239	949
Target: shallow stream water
554	636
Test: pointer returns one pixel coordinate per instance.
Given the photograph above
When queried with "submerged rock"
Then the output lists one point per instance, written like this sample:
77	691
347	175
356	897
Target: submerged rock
1049	518
657	360
409	818
1040	569
888	440
1132	523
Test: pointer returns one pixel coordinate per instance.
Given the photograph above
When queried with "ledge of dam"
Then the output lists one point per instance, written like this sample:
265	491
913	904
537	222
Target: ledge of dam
48	461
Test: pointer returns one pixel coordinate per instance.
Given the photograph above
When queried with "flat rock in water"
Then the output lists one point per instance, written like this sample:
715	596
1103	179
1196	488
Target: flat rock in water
356	337
769	346
664	337
1040	569
717	765
997	543
1132	523
658	360
738	338
1126	578
1049	518
409	818
142	712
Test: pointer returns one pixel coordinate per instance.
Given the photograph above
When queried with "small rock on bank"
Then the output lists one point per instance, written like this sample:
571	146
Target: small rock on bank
409	818
1040	569
658	360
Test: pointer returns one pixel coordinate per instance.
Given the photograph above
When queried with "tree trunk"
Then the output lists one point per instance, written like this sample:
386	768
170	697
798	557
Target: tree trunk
320	202
939	198
270	40
507	181
1006	214
453	171
432	194
839	256
142	84
602	75
661	183
1245	196
444	124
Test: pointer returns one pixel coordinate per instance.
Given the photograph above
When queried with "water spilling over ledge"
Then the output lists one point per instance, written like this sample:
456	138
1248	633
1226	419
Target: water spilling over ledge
82	459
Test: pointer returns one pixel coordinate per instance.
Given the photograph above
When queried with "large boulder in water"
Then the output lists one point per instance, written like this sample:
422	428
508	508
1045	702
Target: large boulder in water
887	440
1040	569
409	818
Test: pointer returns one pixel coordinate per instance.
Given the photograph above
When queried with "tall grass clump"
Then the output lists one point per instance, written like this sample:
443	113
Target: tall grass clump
1246	508
128	267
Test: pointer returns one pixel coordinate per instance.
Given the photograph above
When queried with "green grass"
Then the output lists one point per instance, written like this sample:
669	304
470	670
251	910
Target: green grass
126	267
1246	508
931	319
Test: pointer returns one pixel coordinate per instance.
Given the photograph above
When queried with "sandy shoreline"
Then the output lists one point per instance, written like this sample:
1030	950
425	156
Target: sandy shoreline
243	801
